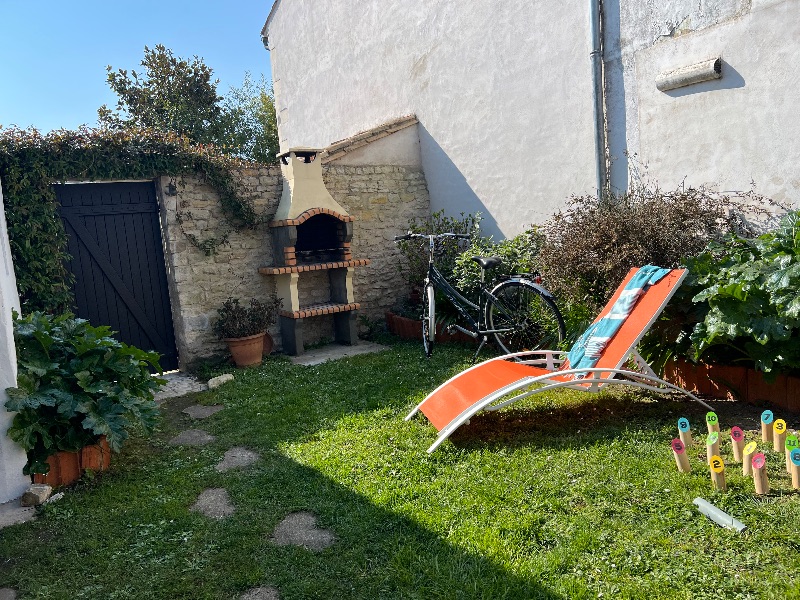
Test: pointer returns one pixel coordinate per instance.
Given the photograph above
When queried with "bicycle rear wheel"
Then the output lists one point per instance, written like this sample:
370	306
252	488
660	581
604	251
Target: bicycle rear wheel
428	319
524	318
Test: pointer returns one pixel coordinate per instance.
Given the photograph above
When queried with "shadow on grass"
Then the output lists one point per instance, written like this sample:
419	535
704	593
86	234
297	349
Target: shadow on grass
377	554
130	534
594	417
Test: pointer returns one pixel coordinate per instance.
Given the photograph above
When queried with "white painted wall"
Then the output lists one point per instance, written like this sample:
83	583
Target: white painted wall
724	133
502	91
12	457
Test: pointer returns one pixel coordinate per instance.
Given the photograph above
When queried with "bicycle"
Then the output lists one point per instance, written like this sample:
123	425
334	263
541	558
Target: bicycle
517	311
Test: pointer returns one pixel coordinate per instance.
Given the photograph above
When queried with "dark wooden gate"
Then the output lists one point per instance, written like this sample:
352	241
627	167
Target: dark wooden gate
118	262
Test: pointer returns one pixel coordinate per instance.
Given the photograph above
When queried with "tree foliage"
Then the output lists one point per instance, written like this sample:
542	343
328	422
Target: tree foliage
177	95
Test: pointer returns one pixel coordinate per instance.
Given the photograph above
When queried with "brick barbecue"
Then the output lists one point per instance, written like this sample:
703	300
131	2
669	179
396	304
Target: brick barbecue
312	232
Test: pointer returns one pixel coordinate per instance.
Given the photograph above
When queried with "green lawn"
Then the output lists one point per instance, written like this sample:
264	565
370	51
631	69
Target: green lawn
570	495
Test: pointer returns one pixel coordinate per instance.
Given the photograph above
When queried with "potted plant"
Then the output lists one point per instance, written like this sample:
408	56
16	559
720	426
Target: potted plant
244	328
77	387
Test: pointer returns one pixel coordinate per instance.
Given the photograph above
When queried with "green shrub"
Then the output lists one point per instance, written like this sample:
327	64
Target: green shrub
236	320
519	255
415	252
76	383
739	304
590	246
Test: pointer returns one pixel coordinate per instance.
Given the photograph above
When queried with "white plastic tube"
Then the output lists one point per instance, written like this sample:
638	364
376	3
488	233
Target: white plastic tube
718	516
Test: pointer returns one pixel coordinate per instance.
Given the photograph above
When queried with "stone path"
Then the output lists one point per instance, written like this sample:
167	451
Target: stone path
214	503
296	529
237	458
12	513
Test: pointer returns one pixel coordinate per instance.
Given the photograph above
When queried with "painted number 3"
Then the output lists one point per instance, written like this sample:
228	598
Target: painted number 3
780	426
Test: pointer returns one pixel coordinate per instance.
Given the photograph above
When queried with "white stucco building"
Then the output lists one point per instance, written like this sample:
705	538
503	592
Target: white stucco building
504	94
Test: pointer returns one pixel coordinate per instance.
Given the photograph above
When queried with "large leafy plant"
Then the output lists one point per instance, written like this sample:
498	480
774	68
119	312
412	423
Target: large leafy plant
739	304
76	383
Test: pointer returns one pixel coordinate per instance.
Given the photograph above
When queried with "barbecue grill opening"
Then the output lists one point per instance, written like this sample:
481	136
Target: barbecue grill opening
319	240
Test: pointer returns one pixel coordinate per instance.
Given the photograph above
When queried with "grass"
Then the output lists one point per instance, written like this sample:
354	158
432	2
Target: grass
572	495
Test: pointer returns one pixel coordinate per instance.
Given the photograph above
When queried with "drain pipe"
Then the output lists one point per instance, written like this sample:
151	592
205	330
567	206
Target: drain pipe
596	57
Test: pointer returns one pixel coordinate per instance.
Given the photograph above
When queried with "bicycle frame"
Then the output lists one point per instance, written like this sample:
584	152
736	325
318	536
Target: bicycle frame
461	303
477	328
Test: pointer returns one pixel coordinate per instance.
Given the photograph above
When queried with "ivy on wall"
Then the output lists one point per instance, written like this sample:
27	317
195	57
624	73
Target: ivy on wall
31	162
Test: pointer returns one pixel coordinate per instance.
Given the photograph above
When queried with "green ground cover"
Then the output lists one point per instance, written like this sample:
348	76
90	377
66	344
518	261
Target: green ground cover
570	495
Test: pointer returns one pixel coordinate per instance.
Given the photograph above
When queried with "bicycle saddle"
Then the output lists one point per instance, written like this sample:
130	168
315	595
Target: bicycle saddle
487	262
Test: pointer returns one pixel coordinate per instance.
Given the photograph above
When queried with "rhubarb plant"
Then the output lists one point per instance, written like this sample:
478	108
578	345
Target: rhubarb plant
76	383
740	303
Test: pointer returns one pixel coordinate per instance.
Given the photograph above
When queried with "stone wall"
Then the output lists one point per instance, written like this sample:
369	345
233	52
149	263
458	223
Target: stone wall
382	199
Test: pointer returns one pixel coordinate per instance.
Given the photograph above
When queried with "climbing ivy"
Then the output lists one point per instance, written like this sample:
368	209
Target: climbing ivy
31	162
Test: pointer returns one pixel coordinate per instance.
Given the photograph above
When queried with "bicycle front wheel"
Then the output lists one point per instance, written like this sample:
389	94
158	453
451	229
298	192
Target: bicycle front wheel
523	318
428	320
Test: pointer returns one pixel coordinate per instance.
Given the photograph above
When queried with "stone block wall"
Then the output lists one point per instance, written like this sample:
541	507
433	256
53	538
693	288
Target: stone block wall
382	200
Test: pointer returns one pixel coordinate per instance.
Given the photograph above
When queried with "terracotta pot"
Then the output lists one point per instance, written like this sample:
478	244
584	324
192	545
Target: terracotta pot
411	329
65	468
269	345
96	457
248	350
728	381
740	383
759	389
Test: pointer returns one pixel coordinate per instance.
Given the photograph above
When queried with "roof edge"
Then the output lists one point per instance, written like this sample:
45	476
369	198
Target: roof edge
265	29
340	148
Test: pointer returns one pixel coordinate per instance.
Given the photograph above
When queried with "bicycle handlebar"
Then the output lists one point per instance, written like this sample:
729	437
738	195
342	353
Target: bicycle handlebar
409	235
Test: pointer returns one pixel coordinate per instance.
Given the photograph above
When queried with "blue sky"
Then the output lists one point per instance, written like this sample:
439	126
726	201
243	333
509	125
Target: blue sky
53	55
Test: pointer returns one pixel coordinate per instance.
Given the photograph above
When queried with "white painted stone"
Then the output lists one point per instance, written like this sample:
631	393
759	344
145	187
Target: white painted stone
12	457
217	381
35	495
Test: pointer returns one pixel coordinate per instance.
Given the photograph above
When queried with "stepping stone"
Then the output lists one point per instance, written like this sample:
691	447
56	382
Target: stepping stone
192	437
261	593
236	458
9	594
178	384
300	529
214	503
199	411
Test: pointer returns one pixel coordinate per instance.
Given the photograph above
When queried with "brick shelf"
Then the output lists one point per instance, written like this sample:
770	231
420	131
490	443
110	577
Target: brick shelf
317	310
342	264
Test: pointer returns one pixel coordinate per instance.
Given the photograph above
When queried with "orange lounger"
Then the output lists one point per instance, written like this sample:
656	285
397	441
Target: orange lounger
500	381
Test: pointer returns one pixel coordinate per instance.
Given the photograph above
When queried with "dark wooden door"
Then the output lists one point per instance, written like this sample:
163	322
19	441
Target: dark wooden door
118	261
